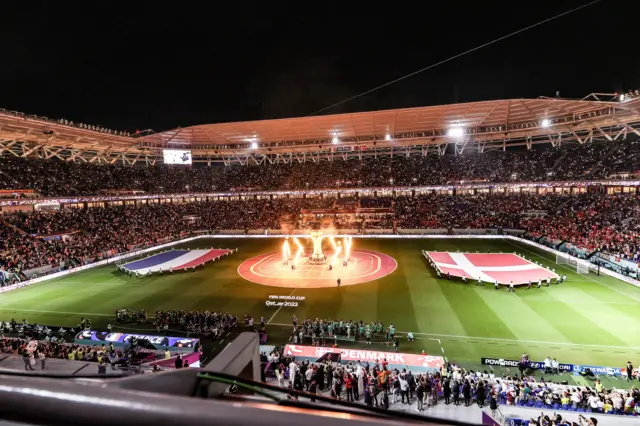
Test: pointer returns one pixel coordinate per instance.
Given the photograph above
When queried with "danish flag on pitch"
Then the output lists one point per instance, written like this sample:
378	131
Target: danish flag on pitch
489	267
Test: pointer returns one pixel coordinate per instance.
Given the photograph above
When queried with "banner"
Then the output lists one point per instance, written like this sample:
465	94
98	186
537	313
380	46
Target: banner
576	251
16	209
513	363
535	213
620	261
395	359
89	337
568	368
599	370
16	191
192	358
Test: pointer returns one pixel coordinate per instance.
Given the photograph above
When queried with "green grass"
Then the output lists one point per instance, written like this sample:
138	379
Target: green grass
587	320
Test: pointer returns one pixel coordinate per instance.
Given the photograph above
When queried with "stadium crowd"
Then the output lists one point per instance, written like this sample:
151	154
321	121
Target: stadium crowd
595	221
379	385
314	331
214	324
567	162
35	353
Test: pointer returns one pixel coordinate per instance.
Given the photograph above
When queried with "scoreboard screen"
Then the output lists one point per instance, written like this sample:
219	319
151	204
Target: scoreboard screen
176	156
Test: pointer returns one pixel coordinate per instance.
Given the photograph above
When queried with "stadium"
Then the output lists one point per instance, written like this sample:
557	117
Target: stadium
328	230
426	216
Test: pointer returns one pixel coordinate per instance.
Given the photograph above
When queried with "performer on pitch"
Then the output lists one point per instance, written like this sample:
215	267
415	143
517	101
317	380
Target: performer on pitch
511	287
529	285
339	282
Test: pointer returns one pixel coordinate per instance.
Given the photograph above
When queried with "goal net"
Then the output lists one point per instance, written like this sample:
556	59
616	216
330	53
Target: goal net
582	268
568	260
561	260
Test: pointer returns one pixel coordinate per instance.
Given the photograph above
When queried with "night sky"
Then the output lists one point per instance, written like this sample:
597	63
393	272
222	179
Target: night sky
160	67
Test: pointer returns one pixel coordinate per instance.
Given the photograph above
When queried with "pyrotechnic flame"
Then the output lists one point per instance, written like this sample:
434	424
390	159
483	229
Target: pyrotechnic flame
347	248
300	251
286	251
336	250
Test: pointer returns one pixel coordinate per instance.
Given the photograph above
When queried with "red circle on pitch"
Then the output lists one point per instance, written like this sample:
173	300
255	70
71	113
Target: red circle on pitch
363	266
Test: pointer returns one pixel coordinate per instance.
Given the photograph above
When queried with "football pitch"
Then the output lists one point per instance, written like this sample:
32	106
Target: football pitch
589	319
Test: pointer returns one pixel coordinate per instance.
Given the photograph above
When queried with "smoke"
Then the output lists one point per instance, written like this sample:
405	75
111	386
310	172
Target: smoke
286	227
327	226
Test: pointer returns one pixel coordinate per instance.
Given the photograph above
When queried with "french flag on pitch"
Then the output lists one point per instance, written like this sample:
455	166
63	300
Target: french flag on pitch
174	260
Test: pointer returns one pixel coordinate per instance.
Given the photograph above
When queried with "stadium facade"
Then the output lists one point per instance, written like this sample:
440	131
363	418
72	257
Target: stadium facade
433	130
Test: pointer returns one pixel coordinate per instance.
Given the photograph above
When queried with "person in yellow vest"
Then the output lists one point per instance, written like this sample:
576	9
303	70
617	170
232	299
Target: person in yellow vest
99	357
599	386
72	355
80	354
167	354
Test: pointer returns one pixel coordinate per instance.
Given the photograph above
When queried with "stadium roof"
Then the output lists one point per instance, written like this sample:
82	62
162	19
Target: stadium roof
410	131
379	123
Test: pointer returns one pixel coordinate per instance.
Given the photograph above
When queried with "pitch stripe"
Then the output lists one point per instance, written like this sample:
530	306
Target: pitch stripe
507	340
401	332
276	313
573	270
56	312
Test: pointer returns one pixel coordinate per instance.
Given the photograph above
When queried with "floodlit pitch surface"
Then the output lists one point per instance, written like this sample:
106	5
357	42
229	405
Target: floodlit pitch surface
363	266
587	320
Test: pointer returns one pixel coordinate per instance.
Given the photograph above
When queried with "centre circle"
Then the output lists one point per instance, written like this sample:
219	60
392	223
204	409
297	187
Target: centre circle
362	266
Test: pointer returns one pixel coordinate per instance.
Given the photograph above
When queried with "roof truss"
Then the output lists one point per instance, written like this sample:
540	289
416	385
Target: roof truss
416	131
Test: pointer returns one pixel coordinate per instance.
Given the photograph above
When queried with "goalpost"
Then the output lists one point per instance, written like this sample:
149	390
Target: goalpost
581	267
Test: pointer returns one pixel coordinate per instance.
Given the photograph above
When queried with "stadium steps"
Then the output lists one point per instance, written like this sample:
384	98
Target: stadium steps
614	147
592	254
15	228
558	161
561	206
